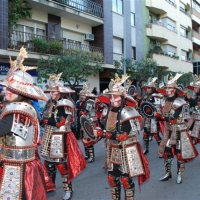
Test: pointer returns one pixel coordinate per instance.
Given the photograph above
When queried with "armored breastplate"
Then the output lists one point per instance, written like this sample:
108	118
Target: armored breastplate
171	107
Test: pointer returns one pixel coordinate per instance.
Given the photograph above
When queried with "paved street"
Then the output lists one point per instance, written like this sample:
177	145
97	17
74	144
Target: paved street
92	183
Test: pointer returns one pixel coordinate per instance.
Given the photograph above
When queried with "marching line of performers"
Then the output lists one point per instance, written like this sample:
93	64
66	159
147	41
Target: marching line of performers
117	115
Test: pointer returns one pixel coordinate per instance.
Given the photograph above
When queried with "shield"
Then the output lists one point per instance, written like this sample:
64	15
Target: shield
147	109
131	90
88	126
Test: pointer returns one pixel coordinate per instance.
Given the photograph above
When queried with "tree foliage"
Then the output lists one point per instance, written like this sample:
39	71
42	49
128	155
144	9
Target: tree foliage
139	70
18	9
75	68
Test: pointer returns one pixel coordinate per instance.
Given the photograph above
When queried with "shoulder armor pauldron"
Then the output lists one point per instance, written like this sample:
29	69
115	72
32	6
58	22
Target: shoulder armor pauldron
20	108
128	113
178	102
67	104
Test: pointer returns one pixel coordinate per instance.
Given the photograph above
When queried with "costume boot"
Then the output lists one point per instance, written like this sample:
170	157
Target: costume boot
116	192
91	156
51	169
168	173
146	146
129	193
158	138
86	153
181	167
67	195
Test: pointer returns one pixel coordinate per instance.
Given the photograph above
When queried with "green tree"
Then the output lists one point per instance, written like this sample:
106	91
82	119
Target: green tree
139	70
17	9
75	67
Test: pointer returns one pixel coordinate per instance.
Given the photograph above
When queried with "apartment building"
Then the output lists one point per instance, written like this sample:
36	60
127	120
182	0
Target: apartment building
195	16
111	27
168	35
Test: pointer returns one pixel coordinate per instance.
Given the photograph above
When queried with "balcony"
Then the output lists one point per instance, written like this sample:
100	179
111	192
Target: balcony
196	56
83	11
162	7
87	6
195	34
169	64
195	13
162	32
45	46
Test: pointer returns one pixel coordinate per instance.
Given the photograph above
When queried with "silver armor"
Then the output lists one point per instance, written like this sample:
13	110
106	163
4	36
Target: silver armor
53	149
19	145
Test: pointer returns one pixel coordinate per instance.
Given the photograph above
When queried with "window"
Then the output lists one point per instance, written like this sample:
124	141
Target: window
196	6
169	49
118	6
31	30
23	33
117	45
132	19
182	7
183	31
171	25
183	55
133	53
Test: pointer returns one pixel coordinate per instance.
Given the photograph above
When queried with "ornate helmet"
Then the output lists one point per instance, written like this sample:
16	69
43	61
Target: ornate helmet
171	82
86	91
195	83
115	85
56	85
150	83
19	81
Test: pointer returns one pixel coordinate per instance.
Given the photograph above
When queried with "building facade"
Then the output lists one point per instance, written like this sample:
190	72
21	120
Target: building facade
168	34
195	16
107	28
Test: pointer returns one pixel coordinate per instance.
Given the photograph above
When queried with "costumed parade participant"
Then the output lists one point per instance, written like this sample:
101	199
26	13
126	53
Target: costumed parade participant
59	146
124	157
87	108
22	175
176	140
194	122
151	125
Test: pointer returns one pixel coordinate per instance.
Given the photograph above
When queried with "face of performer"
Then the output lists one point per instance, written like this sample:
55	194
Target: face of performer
83	98
9	95
115	100
196	89
170	90
149	90
55	95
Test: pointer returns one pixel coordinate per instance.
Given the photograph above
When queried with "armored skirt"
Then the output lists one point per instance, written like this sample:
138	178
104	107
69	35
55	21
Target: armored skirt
129	157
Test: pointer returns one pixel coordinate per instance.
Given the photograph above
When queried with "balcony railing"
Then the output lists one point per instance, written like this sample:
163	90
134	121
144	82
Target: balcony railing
29	40
160	23
184	35
84	6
